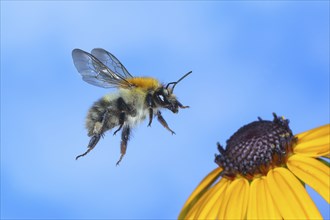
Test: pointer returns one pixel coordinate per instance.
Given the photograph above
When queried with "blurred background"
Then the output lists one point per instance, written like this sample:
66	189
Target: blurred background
248	59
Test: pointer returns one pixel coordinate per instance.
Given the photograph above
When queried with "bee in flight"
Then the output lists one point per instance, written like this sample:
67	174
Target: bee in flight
136	98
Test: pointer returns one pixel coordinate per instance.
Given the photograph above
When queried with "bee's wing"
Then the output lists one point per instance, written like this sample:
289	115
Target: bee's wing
95	72
111	62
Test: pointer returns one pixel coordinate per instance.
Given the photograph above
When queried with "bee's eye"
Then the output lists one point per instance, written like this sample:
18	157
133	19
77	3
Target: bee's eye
161	97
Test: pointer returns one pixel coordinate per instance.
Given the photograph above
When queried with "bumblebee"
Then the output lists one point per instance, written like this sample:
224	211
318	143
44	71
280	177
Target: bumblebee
136	97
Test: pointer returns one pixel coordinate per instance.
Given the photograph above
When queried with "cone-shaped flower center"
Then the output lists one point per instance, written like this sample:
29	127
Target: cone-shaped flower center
256	147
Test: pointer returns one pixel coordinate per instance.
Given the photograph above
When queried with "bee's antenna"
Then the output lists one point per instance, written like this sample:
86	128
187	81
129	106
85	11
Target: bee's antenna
184	76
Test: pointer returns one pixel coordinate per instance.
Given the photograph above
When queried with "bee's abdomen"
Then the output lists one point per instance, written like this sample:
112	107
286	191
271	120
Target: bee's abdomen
97	111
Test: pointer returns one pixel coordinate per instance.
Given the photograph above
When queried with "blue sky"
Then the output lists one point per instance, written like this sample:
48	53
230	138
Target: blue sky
248	59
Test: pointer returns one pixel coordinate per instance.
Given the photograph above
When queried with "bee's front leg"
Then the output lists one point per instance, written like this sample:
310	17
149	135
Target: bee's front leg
163	122
182	106
97	133
150	105
123	144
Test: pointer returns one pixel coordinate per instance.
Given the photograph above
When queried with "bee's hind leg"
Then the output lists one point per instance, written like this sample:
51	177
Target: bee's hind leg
92	143
123	145
98	133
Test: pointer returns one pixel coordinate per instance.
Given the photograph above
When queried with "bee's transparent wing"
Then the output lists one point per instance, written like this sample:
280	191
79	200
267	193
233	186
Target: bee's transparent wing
111	62
95	72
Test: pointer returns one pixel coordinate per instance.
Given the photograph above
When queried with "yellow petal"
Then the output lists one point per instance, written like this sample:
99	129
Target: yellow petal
200	203
314	133
199	191
213	214
235	202
314	143
290	197
312	172
261	205
192	212
215	192
255	187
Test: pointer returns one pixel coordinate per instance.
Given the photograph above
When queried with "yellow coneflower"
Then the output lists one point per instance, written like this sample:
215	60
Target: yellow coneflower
261	175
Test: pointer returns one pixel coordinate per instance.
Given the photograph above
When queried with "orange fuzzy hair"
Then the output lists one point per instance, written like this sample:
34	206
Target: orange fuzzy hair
144	83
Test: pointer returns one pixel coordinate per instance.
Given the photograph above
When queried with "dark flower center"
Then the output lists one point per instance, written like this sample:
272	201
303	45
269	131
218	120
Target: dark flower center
256	147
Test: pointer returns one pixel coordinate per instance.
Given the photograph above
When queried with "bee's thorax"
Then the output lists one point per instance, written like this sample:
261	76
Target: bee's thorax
144	83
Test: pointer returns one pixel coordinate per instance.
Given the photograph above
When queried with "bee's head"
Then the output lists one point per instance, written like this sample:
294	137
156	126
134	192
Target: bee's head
165	98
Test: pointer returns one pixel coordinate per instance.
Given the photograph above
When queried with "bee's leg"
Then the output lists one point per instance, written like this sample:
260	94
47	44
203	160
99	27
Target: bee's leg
123	145
150	105
98	132
121	121
92	143
123	108
181	106
163	122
